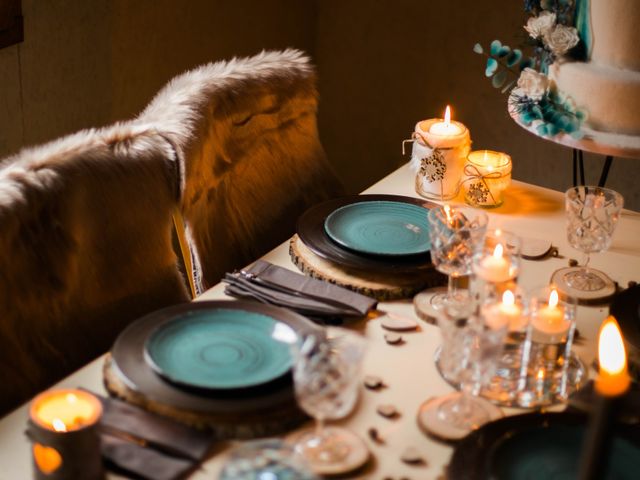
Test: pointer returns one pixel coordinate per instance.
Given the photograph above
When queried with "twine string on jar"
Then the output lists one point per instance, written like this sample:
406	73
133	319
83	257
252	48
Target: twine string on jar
473	173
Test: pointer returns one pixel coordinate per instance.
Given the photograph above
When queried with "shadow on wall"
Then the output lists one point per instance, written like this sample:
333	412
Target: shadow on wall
386	65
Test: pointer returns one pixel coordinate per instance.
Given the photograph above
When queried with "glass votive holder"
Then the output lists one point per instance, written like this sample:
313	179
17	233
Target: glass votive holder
508	308
63	429
487	174
496	264
553	371
269	458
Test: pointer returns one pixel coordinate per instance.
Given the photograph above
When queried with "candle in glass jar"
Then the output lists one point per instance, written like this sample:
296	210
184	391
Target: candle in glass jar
494	268
549	319
440	149
487	176
505	312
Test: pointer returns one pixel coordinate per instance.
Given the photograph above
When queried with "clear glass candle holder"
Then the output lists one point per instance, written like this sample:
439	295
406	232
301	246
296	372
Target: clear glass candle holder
487	174
511	308
496	264
553	371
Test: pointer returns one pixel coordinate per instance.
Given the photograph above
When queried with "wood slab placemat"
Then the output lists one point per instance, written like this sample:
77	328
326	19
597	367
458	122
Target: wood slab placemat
280	419
381	286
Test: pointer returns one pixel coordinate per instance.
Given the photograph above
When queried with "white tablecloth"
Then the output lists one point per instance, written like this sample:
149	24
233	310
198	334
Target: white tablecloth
408	370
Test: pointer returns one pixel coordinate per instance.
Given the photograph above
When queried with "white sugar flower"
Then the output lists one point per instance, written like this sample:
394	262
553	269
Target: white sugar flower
561	39
533	84
542	24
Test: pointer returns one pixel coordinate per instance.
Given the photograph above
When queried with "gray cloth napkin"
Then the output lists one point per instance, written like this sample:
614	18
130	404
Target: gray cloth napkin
275	285
147	445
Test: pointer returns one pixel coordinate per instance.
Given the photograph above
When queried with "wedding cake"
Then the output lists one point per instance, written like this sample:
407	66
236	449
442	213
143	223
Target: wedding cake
607	85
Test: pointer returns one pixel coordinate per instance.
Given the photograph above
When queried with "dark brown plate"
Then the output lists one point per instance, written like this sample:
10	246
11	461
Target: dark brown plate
311	231
128	358
537	446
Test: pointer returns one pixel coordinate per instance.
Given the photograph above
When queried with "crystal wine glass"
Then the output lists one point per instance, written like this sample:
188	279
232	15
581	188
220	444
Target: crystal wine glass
470	351
456	233
592	215
326	377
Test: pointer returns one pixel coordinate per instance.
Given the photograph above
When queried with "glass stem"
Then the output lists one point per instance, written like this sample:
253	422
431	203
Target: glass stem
452	287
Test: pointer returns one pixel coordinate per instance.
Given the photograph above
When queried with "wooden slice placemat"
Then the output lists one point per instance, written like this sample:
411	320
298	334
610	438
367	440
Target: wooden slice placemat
381	286
279	419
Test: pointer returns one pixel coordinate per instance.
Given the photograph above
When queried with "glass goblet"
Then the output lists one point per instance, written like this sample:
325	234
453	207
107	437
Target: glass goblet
326	378
470	351
456	233
592	215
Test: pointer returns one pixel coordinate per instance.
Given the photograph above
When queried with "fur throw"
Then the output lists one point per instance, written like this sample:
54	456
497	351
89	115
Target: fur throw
252	162
86	248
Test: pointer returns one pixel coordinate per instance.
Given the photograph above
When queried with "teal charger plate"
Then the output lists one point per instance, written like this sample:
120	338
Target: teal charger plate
380	228
538	446
220	349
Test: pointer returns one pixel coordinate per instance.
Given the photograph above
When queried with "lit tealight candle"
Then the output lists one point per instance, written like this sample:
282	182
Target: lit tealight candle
446	127
494	268
550	320
506	312
65	410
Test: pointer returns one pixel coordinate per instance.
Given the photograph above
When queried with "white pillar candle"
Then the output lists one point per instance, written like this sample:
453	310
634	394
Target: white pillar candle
487	174
440	148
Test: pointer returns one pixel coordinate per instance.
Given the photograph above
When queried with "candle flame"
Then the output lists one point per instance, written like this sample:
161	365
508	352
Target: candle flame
508	298
447	115
611	353
540	374
485	157
447	211
58	425
497	252
553	298
72	398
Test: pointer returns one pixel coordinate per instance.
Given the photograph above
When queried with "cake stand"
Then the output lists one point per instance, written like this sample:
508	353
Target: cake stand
605	143
609	144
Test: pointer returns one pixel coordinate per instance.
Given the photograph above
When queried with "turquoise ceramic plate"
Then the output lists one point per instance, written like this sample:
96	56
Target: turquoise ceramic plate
380	228
220	349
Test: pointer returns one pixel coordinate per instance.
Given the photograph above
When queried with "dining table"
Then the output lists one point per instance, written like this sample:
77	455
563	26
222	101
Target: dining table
408	370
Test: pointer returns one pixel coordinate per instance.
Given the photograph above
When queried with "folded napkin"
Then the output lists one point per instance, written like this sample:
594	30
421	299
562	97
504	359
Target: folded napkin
149	445
275	285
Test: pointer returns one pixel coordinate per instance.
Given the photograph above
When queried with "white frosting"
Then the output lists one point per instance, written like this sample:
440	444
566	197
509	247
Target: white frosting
610	96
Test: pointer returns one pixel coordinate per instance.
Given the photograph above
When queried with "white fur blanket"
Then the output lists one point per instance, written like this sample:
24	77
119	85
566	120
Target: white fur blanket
86	247
252	161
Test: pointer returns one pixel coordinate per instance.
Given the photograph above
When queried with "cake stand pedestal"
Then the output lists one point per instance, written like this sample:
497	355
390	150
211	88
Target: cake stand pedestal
605	143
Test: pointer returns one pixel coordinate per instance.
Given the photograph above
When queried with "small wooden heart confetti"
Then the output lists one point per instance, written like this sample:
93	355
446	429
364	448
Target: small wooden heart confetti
393	338
412	456
387	411
375	435
372	382
398	324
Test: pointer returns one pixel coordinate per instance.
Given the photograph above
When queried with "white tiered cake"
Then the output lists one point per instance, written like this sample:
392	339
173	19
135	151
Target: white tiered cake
607	85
